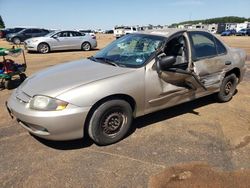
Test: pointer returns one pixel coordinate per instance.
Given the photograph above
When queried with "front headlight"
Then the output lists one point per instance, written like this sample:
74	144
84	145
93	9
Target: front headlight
47	103
34	40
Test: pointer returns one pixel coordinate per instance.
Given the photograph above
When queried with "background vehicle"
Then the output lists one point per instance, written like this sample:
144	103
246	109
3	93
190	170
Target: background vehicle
5	32
21	36
120	31
135	75
61	40
243	32
88	32
9	68
228	32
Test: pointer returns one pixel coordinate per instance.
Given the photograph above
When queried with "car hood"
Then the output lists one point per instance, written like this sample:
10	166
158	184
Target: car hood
61	78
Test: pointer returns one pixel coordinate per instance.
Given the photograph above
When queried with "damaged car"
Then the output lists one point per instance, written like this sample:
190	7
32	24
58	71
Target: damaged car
135	75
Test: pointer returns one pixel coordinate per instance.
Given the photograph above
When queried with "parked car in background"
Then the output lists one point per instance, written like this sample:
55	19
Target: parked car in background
61	40
88	32
5	32
24	34
109	32
120	31
135	75
243	32
228	32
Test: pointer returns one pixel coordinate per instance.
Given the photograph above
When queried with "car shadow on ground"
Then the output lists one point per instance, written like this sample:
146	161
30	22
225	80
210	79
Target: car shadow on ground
138	123
168	113
64	51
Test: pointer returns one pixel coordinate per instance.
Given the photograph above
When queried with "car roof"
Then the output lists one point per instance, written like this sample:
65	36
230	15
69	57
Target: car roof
167	32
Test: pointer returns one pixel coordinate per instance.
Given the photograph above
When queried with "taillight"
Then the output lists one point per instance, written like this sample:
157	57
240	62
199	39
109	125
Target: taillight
93	36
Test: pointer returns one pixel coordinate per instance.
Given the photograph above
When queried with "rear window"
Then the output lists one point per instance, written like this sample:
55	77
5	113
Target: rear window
203	45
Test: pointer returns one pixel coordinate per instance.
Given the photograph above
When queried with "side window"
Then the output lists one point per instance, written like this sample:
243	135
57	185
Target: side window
75	34
36	31
220	47
203	45
28	31
64	34
58	34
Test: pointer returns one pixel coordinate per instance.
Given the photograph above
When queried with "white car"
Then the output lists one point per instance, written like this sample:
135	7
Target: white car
61	40
120	31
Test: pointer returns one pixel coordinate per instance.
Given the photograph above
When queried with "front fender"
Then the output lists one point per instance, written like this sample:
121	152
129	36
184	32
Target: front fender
131	84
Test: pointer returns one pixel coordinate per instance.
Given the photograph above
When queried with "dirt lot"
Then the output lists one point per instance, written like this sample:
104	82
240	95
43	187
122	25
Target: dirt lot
201	131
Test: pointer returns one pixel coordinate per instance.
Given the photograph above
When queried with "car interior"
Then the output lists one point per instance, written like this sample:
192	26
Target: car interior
177	47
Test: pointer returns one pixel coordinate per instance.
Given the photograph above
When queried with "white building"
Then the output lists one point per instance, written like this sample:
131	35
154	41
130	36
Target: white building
244	25
212	28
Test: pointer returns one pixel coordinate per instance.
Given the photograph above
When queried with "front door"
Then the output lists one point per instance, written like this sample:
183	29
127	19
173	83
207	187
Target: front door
174	85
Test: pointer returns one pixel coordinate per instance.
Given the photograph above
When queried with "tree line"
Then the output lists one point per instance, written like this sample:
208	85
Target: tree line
2	25
227	19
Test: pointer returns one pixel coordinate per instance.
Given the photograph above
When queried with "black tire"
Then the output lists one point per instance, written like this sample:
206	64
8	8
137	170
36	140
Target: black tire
110	122
8	84
228	88
16	40
43	48
86	46
22	77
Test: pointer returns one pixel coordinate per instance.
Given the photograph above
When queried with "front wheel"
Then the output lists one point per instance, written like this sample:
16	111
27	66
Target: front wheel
43	48
227	88
110	122
16	40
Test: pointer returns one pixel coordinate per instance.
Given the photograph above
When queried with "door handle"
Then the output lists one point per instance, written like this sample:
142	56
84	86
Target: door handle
228	63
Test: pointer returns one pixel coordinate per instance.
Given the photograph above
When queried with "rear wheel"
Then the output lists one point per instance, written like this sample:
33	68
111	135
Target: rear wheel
86	46
110	122
227	88
43	48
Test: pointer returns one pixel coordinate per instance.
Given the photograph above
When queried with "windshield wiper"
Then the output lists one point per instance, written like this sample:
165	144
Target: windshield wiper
103	60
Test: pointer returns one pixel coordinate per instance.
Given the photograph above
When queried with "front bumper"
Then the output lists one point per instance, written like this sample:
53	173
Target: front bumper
67	124
30	46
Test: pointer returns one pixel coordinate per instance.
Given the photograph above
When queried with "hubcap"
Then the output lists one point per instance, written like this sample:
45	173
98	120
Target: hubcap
112	123
17	41
44	48
228	87
86	46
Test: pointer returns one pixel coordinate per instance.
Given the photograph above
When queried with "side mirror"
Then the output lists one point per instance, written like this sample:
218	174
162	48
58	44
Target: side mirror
54	37
166	62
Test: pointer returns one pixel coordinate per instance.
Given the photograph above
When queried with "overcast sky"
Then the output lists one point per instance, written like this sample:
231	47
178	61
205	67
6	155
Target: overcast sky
94	14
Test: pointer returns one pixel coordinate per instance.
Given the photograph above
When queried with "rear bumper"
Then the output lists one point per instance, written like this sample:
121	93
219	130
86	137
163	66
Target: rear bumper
67	124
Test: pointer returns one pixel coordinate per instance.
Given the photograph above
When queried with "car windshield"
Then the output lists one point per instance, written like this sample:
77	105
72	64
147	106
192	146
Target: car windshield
21	31
50	33
131	50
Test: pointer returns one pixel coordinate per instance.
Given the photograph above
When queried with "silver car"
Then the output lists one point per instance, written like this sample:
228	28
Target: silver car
61	40
133	76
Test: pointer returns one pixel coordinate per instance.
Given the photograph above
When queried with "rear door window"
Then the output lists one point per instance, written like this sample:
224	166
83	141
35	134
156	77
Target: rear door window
220	47
203	45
